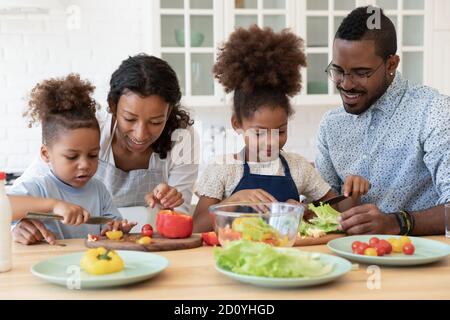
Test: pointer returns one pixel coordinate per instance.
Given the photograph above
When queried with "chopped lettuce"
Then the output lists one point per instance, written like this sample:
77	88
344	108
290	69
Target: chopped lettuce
263	260
325	221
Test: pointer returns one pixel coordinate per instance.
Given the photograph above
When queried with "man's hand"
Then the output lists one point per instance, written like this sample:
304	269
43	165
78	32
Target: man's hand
29	231
368	219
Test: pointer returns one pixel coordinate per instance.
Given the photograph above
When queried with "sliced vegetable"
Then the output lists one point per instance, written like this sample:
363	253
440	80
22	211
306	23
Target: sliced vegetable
210	238
144	240
92	237
114	235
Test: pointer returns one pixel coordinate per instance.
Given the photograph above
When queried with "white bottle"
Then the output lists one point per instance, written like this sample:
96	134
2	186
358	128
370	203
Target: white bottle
5	228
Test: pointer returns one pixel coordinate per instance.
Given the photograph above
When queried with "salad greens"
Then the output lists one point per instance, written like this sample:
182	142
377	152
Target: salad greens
325	221
263	260
256	229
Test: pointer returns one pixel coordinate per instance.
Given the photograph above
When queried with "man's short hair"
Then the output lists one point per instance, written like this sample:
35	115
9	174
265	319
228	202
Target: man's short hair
355	27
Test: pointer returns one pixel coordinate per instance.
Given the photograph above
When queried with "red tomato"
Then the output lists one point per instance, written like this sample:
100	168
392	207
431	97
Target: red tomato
363	246
210	238
172	225
147	230
358	250
408	248
380	250
373	242
355	245
386	245
229	234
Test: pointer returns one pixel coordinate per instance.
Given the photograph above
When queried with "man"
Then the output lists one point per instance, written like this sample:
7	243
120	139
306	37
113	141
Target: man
393	133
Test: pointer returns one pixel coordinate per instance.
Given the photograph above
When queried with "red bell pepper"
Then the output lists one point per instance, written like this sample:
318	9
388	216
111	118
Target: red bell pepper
210	238
171	224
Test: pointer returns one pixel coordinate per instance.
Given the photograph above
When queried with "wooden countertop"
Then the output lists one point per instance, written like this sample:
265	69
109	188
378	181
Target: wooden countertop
191	275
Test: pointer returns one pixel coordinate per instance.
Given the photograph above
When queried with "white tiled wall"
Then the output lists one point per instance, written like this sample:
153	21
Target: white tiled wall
35	47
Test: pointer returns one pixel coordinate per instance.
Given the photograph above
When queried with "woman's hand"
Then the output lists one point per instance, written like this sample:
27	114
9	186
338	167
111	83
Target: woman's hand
168	197
122	225
28	231
357	186
73	214
251	195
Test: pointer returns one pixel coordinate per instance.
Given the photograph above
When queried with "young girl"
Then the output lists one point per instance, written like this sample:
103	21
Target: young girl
263	70
70	147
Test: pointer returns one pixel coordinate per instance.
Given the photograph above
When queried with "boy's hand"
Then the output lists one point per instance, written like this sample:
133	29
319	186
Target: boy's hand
252	195
116	225
73	214
357	186
167	196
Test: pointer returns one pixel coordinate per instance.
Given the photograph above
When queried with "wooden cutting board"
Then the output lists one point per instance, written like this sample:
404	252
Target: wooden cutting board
128	242
310	241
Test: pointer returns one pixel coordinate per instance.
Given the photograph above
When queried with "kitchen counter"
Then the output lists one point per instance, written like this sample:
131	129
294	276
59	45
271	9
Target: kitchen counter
191	275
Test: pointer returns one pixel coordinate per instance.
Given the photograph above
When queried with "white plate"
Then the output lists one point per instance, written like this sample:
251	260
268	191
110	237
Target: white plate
65	270
340	268
426	251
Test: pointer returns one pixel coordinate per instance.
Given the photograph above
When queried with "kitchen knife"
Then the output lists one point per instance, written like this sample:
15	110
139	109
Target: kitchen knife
50	216
330	201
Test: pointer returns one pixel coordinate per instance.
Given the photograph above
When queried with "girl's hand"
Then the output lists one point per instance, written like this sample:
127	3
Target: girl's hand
251	195
168	197
116	225
357	186
72	213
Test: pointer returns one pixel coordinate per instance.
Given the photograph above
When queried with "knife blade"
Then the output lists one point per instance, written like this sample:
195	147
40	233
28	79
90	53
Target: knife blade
52	216
330	201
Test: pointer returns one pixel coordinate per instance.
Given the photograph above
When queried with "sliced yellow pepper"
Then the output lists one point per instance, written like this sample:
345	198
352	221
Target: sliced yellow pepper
144	240
114	235
101	261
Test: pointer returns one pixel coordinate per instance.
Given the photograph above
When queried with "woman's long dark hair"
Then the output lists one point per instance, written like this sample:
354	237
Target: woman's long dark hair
146	76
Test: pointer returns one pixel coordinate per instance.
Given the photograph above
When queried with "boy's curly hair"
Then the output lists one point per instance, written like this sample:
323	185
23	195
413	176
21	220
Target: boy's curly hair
261	67
148	75
62	104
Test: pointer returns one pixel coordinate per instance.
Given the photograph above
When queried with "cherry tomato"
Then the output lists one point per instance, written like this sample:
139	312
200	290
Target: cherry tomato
380	250
363	246
373	242
386	245
408	248
370	252
355	245
404	240
147	230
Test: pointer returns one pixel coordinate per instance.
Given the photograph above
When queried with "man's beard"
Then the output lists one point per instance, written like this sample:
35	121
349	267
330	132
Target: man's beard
377	95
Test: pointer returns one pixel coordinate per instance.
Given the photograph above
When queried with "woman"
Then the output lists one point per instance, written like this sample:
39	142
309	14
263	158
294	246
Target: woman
138	162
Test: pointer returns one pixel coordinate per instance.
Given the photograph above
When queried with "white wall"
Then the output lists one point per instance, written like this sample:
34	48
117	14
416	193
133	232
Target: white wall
35	47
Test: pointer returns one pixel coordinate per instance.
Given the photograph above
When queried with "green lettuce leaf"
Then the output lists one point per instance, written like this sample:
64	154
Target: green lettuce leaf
263	260
325	221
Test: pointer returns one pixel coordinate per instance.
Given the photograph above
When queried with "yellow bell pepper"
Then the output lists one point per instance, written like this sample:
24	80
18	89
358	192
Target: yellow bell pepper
114	235
101	261
144	240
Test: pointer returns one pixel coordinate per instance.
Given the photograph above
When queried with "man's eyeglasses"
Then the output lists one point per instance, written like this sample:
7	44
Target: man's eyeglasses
337	75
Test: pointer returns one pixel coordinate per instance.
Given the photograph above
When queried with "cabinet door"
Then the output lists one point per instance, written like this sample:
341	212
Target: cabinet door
188	34
409	17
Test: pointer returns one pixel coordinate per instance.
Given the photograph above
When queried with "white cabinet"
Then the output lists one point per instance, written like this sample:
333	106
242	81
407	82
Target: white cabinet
207	23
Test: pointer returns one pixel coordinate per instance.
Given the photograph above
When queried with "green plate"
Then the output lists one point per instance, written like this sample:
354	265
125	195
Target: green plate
65	270
340	268
426	251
